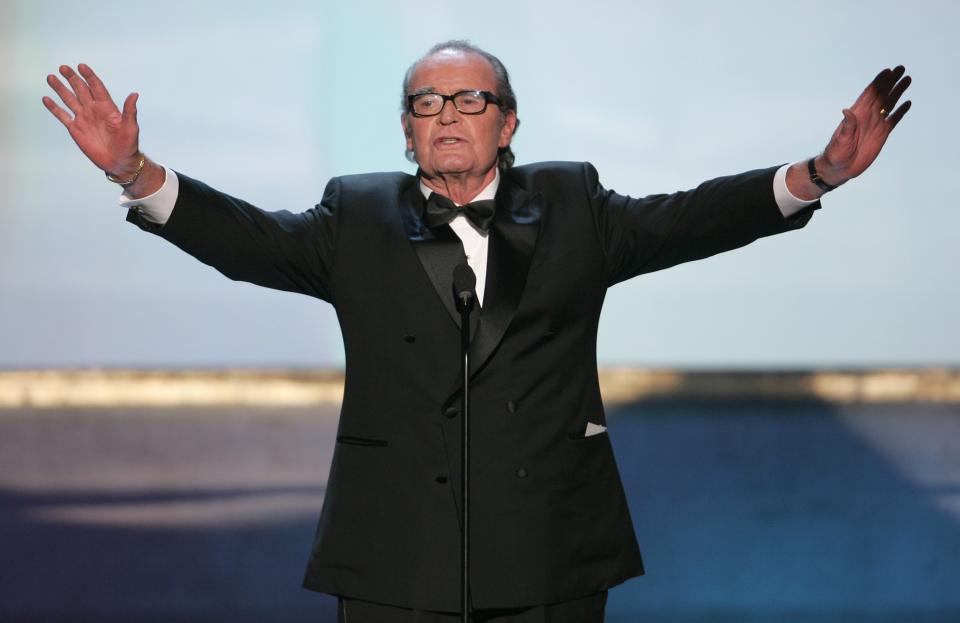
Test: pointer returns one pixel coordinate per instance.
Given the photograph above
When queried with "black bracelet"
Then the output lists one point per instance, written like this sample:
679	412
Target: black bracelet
816	179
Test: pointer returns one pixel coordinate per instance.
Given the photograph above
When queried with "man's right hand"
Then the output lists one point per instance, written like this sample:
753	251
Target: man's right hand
109	137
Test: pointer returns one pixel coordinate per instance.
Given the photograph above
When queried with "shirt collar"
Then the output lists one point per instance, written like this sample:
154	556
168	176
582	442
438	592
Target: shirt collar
488	192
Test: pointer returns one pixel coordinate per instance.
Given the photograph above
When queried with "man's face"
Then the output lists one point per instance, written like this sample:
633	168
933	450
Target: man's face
452	143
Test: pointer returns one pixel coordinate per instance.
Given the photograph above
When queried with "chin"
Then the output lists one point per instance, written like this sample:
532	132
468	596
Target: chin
452	166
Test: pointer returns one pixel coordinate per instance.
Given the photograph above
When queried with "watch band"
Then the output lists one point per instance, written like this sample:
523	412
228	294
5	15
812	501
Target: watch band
815	177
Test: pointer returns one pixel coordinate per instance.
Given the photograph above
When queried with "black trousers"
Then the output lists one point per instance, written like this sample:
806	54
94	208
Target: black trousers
587	609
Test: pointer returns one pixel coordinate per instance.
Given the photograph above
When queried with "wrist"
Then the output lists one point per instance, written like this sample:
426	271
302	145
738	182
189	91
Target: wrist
799	184
826	172
151	179
126	175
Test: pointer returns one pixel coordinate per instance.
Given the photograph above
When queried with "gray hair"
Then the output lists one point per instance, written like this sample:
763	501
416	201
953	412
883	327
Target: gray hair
508	100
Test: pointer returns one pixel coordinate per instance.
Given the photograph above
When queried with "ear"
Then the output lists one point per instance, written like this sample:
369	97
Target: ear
407	130
508	128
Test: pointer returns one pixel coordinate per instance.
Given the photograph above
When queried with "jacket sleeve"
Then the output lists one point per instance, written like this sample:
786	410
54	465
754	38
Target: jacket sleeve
655	232
280	250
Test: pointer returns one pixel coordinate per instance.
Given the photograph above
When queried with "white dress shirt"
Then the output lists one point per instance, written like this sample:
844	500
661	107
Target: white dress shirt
474	241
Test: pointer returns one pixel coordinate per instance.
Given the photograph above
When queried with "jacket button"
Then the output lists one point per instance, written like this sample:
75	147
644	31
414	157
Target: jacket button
441	479
522	472
512	406
549	335
409	339
451	412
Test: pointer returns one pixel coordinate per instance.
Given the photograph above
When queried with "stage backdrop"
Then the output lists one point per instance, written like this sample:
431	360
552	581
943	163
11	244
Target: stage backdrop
267	101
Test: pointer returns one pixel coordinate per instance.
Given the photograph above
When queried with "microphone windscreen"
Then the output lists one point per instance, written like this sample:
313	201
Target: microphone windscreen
464	280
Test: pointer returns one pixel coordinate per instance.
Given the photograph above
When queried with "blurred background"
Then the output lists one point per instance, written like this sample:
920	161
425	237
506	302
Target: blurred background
165	433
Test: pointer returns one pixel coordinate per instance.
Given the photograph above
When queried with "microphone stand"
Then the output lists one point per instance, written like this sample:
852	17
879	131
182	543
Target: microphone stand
464	285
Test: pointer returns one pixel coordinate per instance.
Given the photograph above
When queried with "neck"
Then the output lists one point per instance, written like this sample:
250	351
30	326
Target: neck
460	188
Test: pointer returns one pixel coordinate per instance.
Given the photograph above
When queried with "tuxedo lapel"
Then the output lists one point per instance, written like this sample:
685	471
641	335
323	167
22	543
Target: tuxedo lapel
439	249
513	238
438	255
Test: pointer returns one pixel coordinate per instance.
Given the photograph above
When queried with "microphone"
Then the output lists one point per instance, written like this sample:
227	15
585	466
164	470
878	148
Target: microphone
464	294
464	288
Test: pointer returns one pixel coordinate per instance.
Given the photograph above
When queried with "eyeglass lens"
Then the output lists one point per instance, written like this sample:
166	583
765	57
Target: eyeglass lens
469	102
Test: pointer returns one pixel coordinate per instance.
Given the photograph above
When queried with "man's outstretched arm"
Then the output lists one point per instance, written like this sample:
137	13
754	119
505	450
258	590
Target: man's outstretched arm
651	233
279	250
658	231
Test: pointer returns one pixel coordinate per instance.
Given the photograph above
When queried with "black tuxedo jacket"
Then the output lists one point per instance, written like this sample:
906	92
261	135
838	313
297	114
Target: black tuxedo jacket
549	517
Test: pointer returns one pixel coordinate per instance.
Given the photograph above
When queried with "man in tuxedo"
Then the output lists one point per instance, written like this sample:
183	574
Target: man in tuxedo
549	525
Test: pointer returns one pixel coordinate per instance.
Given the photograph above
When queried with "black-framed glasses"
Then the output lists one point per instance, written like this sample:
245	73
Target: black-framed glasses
466	102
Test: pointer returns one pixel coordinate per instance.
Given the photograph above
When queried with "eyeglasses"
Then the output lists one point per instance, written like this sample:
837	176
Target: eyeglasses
466	102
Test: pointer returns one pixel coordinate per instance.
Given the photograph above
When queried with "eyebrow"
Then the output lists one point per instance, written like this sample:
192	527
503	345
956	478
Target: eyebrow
423	90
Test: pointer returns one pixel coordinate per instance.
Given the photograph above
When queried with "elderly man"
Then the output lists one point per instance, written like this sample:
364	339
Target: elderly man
549	525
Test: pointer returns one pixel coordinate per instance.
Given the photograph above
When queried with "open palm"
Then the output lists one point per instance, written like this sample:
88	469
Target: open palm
109	137
866	125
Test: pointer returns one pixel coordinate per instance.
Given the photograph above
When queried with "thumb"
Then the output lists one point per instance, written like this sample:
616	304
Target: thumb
849	124
130	108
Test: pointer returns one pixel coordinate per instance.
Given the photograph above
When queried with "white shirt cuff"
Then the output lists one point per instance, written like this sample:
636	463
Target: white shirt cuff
157	207
788	204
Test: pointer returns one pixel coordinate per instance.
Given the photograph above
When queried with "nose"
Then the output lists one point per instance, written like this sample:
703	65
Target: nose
448	114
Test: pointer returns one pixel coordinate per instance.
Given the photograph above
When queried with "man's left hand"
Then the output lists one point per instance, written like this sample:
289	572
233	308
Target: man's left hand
858	139
865	127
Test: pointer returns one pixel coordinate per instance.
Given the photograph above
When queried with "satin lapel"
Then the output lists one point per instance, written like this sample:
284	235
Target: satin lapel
513	238
438	249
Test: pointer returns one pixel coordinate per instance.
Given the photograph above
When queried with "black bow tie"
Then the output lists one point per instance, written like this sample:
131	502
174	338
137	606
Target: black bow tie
440	210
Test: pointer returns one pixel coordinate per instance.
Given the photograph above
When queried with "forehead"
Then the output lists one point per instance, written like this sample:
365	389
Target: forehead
448	71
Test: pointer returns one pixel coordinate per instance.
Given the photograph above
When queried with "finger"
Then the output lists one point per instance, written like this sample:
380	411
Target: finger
891	101
97	89
898	114
898	72
66	95
882	78
890	77
882	92
78	84
887	85
58	112
130	109
870	95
